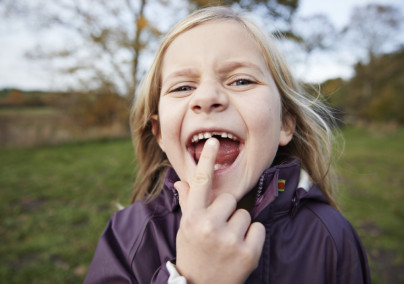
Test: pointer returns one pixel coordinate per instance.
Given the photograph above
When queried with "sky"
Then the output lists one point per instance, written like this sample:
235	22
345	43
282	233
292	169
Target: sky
326	66
16	71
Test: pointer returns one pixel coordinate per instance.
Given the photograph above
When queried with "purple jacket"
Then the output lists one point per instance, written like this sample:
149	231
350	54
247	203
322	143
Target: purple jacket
307	241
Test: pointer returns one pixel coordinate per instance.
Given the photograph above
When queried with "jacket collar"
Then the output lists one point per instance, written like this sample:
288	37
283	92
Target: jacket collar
282	188
287	187
279	183
171	194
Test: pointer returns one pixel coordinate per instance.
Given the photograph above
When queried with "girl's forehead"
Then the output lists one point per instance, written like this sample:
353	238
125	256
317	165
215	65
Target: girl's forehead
211	25
228	38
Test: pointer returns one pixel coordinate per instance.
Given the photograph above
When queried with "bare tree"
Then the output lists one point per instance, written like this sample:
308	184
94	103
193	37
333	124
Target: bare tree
310	36
279	11
314	33
103	43
374	28
102	40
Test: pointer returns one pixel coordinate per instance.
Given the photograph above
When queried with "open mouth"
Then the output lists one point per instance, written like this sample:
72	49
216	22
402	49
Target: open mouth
229	150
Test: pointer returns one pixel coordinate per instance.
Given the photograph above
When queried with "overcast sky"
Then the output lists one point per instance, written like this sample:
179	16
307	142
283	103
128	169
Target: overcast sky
325	66
18	72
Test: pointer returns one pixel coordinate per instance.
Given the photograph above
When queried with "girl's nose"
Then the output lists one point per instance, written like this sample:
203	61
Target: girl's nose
209	98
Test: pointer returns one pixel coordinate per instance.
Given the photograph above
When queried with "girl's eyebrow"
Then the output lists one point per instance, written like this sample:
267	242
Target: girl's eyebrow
228	67
224	68
189	72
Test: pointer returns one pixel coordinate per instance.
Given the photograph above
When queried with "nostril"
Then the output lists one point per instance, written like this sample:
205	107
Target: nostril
196	108
217	107
207	105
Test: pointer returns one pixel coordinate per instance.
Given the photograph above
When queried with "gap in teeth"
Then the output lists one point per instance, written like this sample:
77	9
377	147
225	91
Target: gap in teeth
207	135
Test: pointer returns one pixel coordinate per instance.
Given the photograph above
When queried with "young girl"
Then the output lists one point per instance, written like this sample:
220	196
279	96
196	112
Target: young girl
234	182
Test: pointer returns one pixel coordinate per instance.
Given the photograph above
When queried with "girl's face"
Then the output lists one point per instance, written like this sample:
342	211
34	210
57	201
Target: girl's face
215	83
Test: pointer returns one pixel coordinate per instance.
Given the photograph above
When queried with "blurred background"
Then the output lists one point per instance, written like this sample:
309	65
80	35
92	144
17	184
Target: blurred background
68	74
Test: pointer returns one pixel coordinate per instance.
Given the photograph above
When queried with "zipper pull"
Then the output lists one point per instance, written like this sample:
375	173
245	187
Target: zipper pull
295	204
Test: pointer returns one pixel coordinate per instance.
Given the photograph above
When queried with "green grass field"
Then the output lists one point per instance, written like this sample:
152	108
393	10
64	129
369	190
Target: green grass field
371	174
55	202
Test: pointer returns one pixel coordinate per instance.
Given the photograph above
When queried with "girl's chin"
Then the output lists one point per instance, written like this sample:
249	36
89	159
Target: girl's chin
227	184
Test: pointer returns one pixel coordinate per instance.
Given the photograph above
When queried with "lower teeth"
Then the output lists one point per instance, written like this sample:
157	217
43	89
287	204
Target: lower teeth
220	166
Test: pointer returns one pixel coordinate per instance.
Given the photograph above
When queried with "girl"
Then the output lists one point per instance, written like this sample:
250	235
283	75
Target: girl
234	182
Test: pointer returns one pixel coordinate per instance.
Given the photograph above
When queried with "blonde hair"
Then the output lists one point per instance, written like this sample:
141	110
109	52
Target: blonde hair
312	140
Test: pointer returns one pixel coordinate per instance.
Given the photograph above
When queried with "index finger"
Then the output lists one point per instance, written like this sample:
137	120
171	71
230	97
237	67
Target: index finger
201	183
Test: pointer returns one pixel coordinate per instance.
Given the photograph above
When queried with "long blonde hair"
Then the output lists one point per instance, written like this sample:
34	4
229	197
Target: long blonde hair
312	140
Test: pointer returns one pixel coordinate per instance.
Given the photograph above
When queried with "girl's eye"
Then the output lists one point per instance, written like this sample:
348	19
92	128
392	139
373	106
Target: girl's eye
242	82
182	89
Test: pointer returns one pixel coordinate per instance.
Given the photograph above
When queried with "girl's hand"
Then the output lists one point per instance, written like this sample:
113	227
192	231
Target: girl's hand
215	243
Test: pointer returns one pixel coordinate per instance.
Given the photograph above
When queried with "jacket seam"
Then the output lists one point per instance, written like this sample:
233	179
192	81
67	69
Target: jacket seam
133	249
308	206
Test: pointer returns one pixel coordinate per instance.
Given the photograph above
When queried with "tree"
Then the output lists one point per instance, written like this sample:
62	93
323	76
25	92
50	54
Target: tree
279	11
311	35
105	43
375	91
374	29
103	40
314	33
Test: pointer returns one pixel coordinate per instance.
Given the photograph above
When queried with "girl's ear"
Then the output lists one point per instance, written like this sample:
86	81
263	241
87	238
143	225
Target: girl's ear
287	129
156	130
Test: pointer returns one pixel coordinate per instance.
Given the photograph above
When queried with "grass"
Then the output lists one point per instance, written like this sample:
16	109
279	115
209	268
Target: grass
55	202
28	111
371	196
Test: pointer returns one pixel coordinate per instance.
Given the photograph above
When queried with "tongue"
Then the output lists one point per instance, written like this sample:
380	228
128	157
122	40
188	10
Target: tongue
228	151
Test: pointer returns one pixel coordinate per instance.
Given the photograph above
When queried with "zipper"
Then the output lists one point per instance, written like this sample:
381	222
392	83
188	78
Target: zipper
295	204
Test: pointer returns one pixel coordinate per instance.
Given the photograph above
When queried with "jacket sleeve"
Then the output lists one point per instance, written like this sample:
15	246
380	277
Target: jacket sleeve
352	260
352	265
110	263
161	276
127	251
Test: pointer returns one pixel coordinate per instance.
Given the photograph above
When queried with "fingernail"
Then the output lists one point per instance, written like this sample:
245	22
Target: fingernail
211	141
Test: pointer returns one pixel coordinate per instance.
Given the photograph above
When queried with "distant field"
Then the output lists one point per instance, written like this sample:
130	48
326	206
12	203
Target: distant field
55	202
37	126
28	111
372	194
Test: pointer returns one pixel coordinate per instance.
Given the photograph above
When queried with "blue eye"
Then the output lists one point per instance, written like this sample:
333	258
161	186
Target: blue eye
182	89
242	82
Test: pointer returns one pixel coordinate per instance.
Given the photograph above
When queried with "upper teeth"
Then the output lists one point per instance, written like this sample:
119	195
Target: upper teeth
207	135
